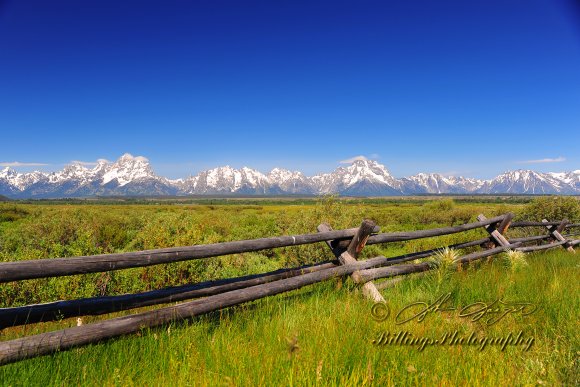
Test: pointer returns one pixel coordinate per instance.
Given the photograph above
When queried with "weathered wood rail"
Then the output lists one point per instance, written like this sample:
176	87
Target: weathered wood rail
42	268
345	245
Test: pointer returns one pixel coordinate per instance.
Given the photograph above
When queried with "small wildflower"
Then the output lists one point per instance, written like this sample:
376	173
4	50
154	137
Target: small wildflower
515	260
444	260
446	257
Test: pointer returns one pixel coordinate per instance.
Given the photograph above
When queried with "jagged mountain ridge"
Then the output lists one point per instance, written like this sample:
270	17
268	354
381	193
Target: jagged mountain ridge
435	183
224	180
127	176
533	183
134	176
361	178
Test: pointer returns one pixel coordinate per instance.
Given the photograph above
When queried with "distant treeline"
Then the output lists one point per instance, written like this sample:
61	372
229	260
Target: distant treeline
276	200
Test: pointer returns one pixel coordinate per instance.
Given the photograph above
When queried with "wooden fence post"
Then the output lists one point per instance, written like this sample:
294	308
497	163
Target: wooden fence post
495	231
351	253
562	225
505	223
555	232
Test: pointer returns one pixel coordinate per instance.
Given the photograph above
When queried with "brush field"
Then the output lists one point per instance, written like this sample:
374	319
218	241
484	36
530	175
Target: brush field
319	335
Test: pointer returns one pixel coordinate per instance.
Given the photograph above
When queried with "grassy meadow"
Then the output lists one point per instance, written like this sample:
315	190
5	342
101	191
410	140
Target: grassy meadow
318	335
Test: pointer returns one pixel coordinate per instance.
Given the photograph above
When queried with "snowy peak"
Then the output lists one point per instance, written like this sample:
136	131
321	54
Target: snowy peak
524	181
292	182
370	170
129	175
567	178
15	181
8	173
125	170
359	177
227	180
281	175
438	184
70	172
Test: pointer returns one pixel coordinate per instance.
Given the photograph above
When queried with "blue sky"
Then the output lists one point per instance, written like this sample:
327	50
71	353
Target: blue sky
464	87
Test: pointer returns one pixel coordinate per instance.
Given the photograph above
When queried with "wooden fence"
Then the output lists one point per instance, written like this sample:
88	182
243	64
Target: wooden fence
345	246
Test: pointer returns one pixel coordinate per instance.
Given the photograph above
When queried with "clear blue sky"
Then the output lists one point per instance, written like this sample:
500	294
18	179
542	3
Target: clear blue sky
469	87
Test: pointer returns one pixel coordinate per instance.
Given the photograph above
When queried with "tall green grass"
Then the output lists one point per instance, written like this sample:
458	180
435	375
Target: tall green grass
321	335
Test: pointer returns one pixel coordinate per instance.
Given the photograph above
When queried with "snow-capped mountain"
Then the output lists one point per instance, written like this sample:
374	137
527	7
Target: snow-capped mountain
227	180
286	181
126	170
16	182
133	176
9	181
435	183
127	176
526	181
571	180
361	178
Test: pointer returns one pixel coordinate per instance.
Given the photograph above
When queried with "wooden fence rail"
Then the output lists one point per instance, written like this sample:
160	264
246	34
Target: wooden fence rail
406	236
542	224
346	245
52	311
43	268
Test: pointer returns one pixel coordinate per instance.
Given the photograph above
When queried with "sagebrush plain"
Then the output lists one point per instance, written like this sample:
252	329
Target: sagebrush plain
318	335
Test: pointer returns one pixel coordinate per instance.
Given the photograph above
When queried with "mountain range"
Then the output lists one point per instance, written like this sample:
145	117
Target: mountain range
133	176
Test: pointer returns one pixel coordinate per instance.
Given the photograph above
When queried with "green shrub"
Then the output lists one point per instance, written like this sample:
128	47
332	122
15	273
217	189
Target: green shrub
552	208
441	205
10	213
